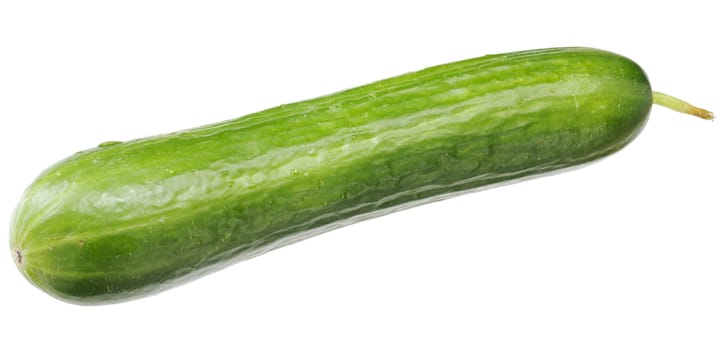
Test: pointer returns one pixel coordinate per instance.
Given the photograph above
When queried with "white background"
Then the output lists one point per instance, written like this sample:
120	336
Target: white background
623	254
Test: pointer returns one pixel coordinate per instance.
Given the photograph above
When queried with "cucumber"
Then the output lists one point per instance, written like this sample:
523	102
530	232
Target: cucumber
129	219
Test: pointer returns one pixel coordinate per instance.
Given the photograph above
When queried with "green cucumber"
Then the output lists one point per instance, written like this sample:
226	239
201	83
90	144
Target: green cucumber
128	219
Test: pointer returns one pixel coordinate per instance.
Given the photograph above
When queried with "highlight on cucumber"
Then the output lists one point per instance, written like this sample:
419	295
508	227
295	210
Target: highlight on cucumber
130	219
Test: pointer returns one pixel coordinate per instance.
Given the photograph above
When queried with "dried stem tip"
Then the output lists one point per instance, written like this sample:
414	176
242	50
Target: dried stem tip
678	105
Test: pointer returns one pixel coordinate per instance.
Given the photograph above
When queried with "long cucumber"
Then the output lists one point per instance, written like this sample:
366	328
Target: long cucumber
128	219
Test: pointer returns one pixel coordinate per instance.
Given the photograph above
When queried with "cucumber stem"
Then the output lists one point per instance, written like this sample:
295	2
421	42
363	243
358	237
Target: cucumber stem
678	105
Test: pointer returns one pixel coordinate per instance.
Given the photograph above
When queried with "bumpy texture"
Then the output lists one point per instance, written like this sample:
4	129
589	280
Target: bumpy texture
128	219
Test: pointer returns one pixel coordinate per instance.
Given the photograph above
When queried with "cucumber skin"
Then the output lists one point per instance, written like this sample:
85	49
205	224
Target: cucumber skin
125	220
